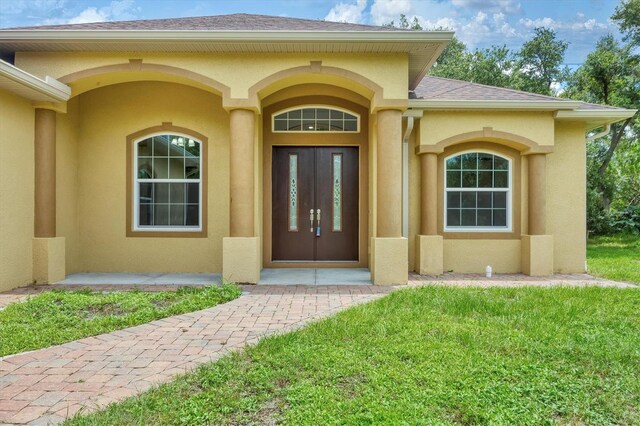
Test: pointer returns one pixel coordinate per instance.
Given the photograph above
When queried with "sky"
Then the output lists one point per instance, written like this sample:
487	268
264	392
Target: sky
478	23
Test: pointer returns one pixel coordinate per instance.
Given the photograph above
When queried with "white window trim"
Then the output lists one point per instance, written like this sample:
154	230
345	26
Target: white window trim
136	190
330	107
509	191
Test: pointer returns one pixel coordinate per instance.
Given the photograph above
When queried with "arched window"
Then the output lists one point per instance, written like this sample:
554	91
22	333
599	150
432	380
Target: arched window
478	191
316	119
167	185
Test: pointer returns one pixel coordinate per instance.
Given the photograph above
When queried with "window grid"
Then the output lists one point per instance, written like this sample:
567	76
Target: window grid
167	190
315	119
475	202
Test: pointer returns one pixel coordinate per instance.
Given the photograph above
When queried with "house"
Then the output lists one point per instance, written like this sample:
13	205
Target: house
240	142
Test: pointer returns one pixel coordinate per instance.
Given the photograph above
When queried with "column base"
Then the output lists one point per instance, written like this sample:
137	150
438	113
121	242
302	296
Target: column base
241	259
390	261
429	255
537	255
48	260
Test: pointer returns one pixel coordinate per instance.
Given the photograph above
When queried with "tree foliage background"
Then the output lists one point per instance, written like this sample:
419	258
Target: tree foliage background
610	75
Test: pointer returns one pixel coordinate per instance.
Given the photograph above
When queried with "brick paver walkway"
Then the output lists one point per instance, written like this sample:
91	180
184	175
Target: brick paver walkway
48	385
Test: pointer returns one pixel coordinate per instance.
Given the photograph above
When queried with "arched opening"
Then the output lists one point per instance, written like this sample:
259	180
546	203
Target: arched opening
315	175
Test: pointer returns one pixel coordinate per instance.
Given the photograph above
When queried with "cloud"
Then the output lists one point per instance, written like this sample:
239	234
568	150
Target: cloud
347	12
385	11
19	7
580	23
510	7
117	10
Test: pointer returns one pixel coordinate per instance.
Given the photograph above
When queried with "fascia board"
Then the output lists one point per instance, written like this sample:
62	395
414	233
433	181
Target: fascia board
204	35
617	114
51	87
441	104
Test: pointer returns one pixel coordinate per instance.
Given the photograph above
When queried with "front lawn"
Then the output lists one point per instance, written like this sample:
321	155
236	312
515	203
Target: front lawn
60	316
432	355
615	257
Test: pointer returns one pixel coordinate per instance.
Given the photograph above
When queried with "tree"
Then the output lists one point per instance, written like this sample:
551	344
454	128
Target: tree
485	66
627	16
405	24
539	63
611	75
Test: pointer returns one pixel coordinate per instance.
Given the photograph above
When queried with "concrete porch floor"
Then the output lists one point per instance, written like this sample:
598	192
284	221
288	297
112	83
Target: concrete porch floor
276	276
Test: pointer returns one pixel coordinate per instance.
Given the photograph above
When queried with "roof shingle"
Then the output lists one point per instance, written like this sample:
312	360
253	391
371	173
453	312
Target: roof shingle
439	88
233	22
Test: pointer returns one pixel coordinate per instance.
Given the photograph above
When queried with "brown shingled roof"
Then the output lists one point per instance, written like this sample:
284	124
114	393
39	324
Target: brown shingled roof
233	22
439	88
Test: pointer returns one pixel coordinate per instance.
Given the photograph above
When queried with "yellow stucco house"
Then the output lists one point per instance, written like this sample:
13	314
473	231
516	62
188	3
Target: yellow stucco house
240	142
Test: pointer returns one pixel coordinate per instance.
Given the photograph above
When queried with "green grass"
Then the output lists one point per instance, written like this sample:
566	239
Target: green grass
615	257
431	355
59	316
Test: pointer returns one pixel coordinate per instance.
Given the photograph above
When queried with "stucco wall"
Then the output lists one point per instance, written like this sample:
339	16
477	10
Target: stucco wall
439	125
237	71
16	191
108	115
566	197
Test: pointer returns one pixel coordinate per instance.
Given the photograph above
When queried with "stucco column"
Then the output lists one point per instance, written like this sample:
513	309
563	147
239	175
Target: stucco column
389	250
242	129
429	194
241	262
45	174
48	249
429	246
537	247
537	198
389	179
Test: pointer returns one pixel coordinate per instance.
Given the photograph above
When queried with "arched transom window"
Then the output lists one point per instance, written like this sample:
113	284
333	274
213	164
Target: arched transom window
167	187
316	119
477	192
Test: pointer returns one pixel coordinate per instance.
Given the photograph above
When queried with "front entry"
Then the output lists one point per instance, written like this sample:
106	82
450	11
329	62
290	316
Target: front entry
315	203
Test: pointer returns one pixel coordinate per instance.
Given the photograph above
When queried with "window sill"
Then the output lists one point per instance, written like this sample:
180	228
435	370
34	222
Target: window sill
201	233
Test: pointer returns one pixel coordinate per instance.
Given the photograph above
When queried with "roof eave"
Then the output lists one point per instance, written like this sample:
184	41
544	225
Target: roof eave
49	88
444	104
212	35
595	118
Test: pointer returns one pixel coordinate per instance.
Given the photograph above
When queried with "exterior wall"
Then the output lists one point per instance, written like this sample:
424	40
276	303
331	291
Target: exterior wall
439	125
567	198
566	193
16	191
67	129
472	256
107	116
237	71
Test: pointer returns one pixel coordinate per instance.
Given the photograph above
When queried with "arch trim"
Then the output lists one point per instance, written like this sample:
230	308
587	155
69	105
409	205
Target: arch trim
525	145
135	65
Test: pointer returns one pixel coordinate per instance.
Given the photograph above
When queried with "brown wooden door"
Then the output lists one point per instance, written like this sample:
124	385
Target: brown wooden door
309	179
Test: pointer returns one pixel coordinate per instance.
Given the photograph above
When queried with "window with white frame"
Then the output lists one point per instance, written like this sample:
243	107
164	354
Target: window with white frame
477	192
316	119
167	187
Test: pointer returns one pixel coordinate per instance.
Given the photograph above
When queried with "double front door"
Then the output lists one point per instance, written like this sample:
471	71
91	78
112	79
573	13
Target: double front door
315	203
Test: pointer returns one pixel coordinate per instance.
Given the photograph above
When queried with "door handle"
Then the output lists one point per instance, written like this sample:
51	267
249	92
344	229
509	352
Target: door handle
318	219
311	220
